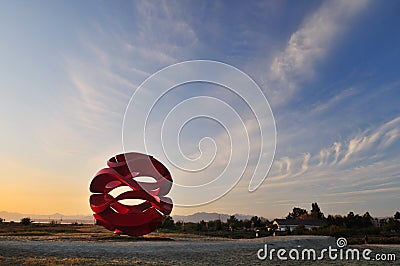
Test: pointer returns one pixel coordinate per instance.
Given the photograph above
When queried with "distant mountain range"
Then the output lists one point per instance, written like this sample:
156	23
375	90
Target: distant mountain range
87	219
43	218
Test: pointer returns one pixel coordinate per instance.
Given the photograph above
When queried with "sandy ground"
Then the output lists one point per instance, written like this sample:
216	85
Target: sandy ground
176	251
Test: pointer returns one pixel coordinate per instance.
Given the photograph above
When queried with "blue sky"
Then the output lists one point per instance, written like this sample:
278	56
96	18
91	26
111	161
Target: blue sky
328	69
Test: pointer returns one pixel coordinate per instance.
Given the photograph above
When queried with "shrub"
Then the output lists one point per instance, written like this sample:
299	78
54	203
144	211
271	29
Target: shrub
300	230
26	221
53	222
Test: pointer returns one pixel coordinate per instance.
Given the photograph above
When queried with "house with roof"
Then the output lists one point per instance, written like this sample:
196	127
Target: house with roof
284	224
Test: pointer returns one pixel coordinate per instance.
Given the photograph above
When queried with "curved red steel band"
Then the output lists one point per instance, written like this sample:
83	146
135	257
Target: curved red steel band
138	219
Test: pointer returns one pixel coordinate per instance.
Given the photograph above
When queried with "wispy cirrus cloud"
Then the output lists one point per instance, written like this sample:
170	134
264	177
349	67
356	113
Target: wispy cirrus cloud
366	148
116	61
308	46
333	102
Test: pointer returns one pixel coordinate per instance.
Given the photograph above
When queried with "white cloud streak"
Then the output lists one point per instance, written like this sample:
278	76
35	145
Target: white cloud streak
340	155
309	45
117	60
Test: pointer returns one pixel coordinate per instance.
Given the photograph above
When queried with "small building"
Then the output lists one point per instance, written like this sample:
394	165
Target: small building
284	224
380	222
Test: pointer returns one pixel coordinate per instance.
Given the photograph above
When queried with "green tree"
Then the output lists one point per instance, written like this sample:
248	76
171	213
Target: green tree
232	222
168	223
248	224
354	220
201	226
296	213
218	224
316	212
397	215
392	225
256	221
367	220
180	225
26	221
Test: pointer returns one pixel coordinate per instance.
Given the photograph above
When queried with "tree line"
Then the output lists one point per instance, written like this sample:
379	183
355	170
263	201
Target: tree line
334	225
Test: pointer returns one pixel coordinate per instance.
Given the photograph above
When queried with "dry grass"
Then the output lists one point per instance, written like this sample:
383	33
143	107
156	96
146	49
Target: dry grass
67	261
66	232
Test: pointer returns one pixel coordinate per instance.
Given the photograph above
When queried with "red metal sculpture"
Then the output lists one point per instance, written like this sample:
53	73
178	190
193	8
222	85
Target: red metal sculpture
134	220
